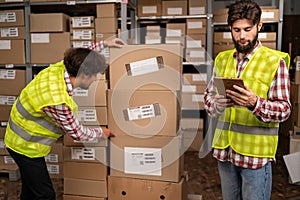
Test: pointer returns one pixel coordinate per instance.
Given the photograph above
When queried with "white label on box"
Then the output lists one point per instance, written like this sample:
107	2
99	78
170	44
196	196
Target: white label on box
9	32
2	144
8	160
174	11
144	66
172	41
81	22
174	32
152	41
40	38
194	25
197	54
262	35
4	124
81	44
82	34
53	169
149	9
82	153
78	92
198	98
7	100
298	66
145	161
188	88
197	10
227	35
5	44
141	112
53	158
8	17
199	77
7	74
13	0
193	43
267	15
87	115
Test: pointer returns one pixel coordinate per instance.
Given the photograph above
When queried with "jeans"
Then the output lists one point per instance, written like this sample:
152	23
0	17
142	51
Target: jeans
36	182
245	184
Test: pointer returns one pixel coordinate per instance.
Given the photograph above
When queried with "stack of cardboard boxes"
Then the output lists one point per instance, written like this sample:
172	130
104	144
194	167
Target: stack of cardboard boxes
82	31
144	113
12	37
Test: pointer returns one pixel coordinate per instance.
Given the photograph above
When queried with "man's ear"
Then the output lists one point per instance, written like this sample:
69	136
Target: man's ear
259	25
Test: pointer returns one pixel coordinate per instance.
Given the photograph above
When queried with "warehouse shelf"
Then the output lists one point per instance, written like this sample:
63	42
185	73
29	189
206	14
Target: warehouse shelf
172	17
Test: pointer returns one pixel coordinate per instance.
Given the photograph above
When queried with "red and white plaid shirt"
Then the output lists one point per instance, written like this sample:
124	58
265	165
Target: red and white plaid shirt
64	116
274	109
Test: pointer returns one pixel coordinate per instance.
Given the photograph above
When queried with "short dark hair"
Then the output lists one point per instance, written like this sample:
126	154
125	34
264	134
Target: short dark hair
246	9
83	60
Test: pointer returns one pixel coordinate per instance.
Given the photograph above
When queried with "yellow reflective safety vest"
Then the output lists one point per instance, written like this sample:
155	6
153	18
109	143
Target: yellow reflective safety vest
30	131
237	126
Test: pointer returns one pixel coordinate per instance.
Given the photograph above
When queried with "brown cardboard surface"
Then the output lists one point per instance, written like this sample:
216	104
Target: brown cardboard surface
174	8
197	7
106	10
195	40
16	18
12	52
14	32
148	8
49	22
128	188
85	154
166	123
87	171
14	81
194	78
51	51
166	78
92	115
172	160
196	25
192	101
106	25
175	29
5	112
77	197
56	153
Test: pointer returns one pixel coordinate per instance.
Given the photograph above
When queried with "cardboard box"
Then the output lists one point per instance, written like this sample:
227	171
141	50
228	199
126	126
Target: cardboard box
82	22
14	81
5	112
13	33
295	93
192	124
191	88
77	197
197	7
85	154
174	8
12	51
104	36
196	25
195	55
194	78
82	34
83	187
146	113
149	39
56	154
55	170
148	8
222	37
49	22
220	15
92	115
128	188
106	25
271	45
267	36
94	96
92	171
81	43
153	30
151	75
12	18
269	14
195	40
48	47
219	47
192	101
175	29
152	158
175	40
98	142
106	10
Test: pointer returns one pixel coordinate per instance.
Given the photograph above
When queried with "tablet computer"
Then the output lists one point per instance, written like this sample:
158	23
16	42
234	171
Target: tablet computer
224	84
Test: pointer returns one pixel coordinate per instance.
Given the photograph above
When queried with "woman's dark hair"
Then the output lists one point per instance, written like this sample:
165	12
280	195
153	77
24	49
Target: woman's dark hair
83	60
244	10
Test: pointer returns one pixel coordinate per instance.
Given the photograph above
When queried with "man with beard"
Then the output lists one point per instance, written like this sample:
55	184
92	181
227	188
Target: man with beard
45	111
246	134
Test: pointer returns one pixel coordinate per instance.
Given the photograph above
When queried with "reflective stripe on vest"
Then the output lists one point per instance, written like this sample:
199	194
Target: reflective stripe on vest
243	129
39	120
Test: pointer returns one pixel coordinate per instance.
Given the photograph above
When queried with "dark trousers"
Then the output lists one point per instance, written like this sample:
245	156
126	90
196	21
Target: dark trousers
36	182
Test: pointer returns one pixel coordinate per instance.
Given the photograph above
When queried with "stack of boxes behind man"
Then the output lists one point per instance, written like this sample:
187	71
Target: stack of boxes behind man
144	113
12	81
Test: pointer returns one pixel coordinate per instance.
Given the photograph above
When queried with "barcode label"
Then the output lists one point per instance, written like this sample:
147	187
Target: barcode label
81	44
82	34
82	153
8	17
51	158
87	115
53	169
8	160
7	74
78	92
81	22
7	100
9	32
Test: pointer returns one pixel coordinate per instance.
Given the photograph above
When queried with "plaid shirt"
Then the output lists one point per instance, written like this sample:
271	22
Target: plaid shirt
66	119
274	109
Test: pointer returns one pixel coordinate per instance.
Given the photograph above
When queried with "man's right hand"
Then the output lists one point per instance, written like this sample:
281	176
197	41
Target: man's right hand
222	102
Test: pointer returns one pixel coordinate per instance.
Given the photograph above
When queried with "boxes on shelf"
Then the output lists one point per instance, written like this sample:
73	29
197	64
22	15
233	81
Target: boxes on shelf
176	29
82	22
197	7
144	113
15	32
269	14
148	8
149	39
106	10
12	18
129	188
173	8
49	22
176	40
195	55
140	67
106	25
82	34
220	15
195	40
152	158
48	47
14	81
196	25
12	52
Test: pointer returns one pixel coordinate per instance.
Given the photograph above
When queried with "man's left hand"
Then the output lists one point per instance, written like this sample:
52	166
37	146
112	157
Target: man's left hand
115	42
242	96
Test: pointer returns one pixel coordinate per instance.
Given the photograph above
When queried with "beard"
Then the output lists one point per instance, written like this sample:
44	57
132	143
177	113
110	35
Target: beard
247	48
